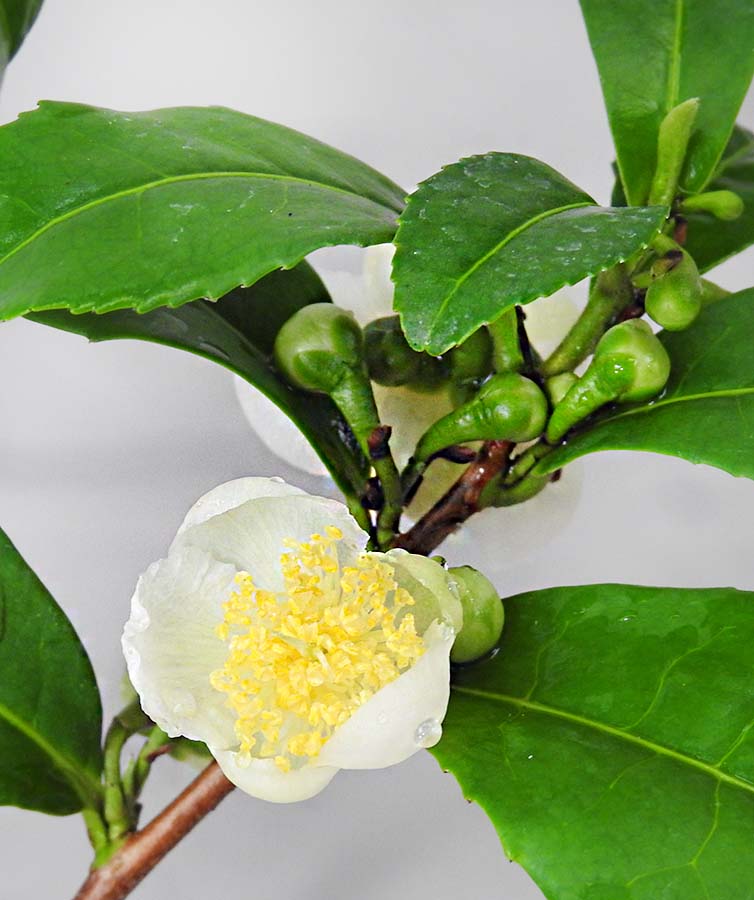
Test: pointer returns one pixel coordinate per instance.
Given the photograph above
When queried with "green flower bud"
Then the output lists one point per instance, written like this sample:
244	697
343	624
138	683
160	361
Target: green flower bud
674	298
630	365
471	360
483	615
724	205
672	143
319	346
558	386
392	362
508	407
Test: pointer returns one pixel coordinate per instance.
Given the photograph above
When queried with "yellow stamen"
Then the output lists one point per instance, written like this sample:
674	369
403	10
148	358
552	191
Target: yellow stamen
301	662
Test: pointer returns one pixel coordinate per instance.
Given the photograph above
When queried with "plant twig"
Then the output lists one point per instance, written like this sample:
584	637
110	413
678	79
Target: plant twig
610	293
462	500
141	852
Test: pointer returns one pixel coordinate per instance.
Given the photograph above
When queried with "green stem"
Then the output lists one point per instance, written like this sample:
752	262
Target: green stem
117	814
521	466
96	829
138	770
507	355
610	294
524	490
355	399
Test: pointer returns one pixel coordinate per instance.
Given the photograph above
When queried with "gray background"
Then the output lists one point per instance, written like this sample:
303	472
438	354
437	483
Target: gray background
105	447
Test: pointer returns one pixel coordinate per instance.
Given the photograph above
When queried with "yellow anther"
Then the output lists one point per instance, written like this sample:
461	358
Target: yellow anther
301	662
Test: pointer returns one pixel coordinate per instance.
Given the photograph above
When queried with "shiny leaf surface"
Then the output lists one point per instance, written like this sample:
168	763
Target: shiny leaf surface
492	231
50	715
710	241
610	741
102	210
653	55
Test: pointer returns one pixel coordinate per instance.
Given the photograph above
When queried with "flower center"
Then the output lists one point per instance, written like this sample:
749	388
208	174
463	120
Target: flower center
302	661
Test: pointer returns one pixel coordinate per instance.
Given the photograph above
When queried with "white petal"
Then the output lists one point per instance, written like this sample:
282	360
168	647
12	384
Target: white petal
384	731
429	584
378	261
549	318
250	536
171	648
262	778
348	290
276	431
231	494
409	413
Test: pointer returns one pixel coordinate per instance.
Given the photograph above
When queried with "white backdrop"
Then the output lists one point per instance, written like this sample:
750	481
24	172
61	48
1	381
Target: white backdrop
104	447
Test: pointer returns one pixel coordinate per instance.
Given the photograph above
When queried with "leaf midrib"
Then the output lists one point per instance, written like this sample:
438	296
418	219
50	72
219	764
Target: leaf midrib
80	780
177	179
652	746
674	75
671	401
546	214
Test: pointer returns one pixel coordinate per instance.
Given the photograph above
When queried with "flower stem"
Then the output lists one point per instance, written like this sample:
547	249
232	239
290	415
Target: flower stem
610	294
141	852
138	769
465	497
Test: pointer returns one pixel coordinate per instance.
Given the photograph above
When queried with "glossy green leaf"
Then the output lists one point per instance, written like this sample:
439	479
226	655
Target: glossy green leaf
238	332
610	741
50	715
492	231
16	18
710	241
705	415
653	55
102	210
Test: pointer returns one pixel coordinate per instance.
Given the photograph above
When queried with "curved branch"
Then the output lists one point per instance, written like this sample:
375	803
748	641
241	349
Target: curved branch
462	500
142	851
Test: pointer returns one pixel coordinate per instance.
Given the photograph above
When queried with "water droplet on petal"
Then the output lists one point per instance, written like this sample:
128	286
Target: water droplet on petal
428	733
447	632
277	479
382	718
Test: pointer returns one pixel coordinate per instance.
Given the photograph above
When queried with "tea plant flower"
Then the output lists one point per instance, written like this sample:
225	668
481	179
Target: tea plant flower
270	634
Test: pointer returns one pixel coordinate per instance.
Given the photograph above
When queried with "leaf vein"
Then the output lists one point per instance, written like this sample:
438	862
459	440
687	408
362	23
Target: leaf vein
140	189
546	214
604	728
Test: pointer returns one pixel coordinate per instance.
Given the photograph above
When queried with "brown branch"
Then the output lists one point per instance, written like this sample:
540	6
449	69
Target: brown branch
461	501
142	851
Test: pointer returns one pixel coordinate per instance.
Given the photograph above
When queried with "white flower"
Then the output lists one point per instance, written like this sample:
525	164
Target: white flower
271	635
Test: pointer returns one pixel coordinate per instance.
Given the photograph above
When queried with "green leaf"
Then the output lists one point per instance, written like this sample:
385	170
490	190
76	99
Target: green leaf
102	210
653	55
238	332
495	230
16	18
50	715
610	741
705	415
710	241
